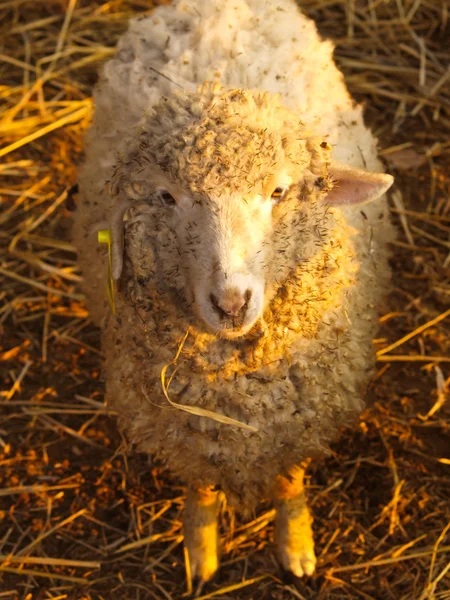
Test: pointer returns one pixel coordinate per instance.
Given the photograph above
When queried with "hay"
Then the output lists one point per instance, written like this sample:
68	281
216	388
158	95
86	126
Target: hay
71	497
193	410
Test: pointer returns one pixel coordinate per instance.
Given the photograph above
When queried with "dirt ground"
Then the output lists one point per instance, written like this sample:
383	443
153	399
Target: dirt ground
80	518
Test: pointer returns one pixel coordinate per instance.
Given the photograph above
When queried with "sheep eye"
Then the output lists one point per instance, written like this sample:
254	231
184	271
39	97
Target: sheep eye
278	193
166	198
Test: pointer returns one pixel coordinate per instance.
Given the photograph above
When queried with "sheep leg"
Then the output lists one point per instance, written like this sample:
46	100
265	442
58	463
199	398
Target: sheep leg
201	533
293	532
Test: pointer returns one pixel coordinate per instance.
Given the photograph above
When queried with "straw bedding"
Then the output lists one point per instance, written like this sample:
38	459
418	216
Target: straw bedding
83	519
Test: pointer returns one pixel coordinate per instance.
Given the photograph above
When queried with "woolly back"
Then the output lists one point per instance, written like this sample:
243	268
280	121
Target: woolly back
300	374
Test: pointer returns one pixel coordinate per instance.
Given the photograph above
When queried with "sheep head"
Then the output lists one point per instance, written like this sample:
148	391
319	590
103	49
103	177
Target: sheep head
230	190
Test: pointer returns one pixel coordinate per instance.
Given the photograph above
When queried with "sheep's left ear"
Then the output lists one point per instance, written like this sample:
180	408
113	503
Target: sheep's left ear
356	186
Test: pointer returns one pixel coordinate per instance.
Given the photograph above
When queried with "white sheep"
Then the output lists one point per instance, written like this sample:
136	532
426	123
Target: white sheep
229	162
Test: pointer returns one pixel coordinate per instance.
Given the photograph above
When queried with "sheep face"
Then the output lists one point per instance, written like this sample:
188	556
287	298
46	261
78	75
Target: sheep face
214	247
226	266
229	190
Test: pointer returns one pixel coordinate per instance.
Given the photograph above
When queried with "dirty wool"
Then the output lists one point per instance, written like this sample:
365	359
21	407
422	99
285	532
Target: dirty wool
221	113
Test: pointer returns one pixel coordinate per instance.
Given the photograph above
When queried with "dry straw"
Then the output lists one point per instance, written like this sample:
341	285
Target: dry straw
81	518
195	410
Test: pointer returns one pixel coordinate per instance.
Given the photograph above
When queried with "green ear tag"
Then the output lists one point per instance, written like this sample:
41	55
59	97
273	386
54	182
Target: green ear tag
104	237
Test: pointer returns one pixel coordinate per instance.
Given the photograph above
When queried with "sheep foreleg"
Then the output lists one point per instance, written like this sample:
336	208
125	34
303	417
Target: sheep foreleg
201	533
293	532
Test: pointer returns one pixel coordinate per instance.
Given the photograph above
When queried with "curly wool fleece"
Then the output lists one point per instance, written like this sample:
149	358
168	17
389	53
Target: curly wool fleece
301	372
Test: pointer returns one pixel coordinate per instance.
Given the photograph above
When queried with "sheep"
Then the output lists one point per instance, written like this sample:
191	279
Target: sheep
231	166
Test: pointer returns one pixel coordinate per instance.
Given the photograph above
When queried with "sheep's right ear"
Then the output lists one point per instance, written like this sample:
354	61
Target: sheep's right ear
116	231
356	186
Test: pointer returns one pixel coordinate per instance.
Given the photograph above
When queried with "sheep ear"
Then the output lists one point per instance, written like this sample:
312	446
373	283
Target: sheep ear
356	186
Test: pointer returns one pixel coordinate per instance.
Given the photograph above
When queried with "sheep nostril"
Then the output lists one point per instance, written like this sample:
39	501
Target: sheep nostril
216	305
214	302
231	304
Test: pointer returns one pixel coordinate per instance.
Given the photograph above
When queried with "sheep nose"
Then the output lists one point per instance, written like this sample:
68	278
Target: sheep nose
232	303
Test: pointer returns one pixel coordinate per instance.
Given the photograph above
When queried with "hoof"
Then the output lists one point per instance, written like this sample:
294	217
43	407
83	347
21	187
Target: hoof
298	564
199	585
201	537
203	562
294	539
